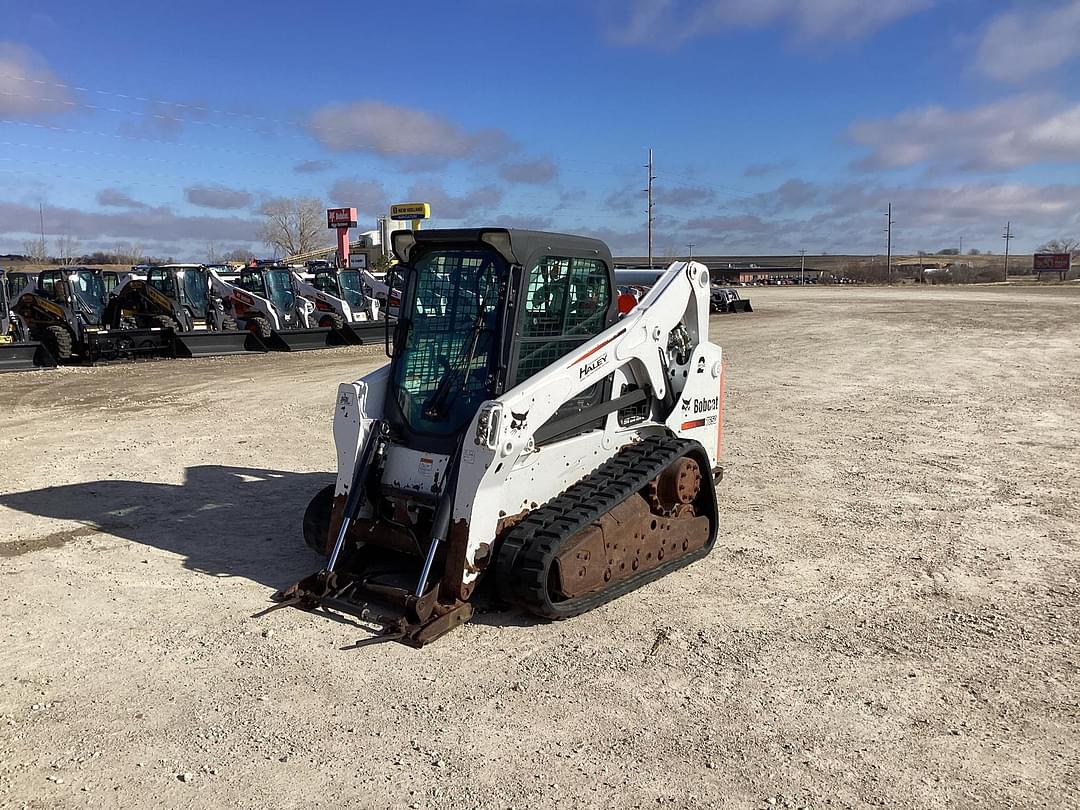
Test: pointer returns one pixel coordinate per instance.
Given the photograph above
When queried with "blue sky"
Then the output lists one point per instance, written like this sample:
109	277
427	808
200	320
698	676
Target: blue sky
777	125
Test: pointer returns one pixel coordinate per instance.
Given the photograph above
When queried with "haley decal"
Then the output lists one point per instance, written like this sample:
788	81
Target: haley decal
592	366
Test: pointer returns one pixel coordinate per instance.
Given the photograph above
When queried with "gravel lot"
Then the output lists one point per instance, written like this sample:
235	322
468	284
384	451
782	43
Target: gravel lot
889	618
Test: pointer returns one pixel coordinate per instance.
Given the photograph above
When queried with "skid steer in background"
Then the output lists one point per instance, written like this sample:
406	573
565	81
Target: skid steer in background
263	301
727	299
525	433
64	309
17	282
178	297
384	288
340	303
17	351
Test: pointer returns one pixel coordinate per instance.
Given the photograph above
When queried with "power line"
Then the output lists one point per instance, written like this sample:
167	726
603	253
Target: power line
1008	236
889	222
652	177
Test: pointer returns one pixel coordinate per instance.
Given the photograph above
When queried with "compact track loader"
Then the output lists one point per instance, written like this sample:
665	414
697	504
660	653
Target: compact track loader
531	430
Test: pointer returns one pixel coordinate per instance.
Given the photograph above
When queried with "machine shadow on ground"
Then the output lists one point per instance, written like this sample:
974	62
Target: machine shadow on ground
224	521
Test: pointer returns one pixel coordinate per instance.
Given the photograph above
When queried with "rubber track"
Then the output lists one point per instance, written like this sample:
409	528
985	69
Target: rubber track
528	551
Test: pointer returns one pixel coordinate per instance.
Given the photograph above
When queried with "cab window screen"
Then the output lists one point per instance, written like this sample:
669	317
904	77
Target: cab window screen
566	302
160	280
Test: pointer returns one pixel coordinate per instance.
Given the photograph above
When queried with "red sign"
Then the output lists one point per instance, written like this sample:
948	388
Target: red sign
340	217
1053	261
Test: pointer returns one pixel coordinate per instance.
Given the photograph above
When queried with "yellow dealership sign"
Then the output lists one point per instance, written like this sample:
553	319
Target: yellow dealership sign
410	211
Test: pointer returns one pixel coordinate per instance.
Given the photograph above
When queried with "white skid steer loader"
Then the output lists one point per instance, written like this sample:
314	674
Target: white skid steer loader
526	432
263	300
340	304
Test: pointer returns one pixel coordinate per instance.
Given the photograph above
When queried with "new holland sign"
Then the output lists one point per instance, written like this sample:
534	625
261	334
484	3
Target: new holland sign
403	211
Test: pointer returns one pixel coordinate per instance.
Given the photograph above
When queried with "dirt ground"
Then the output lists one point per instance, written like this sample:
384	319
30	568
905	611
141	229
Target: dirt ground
890	616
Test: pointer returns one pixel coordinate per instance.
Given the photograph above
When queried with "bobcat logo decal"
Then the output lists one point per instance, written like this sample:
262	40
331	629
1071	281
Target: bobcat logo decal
518	420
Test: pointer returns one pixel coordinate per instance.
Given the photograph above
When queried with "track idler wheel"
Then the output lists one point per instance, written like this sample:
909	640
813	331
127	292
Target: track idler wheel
675	487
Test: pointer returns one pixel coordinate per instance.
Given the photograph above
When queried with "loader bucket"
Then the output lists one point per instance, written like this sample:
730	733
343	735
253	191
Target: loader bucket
301	340
210	343
362	334
25	356
742	305
345	336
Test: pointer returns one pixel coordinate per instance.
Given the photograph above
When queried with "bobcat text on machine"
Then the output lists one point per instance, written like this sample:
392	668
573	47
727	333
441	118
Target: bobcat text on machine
525	432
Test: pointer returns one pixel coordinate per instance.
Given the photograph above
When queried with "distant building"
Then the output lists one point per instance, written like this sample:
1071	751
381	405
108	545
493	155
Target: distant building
725	271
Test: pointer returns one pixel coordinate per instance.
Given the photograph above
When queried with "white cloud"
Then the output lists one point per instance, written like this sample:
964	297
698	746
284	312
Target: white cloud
220	197
159	230
367	196
1019	44
162	121
848	217
632	198
455	206
405	134
670	23
1006	134
29	90
116	198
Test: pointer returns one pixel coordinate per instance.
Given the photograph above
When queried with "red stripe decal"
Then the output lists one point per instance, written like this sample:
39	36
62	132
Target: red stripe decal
593	351
696	423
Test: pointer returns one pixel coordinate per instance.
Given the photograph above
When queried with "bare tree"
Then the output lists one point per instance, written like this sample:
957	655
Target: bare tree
239	255
129	253
34	249
1061	246
67	249
294	225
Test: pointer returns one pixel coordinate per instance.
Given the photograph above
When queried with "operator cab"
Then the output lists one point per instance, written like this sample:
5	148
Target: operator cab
484	310
81	288
343	284
274	283
188	284
15	283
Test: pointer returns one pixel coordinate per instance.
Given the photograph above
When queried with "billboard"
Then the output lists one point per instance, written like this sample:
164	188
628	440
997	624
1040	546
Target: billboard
410	211
1052	261
340	217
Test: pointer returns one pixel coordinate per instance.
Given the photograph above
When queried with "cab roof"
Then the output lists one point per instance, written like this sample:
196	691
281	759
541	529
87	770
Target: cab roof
517	246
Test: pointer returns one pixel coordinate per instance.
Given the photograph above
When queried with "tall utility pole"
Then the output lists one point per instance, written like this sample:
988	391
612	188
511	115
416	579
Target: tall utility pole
652	177
888	241
802	267
41	220
961	244
691	246
1008	237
